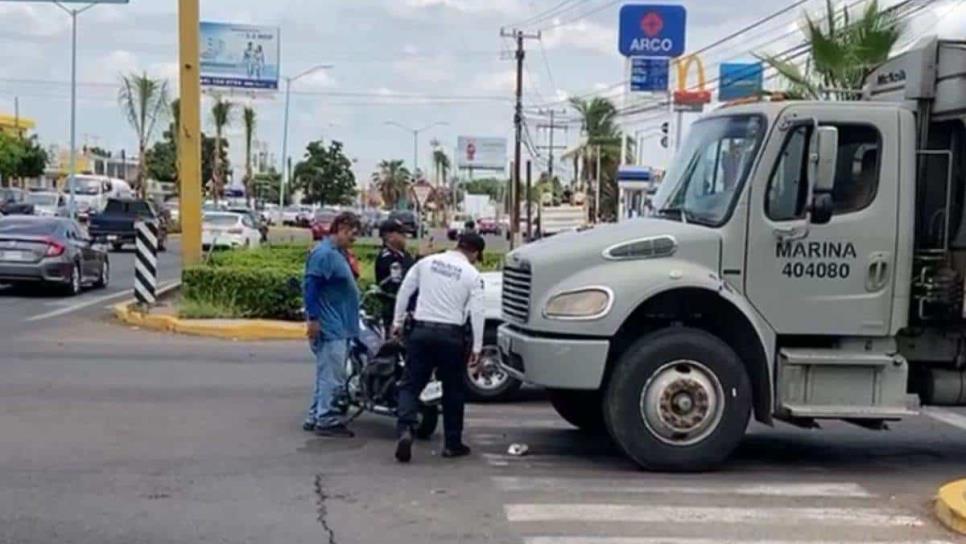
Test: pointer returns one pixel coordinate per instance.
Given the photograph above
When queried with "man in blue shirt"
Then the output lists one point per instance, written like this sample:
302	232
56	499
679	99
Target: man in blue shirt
332	312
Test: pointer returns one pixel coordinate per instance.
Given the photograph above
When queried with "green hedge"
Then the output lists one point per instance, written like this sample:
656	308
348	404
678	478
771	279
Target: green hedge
266	282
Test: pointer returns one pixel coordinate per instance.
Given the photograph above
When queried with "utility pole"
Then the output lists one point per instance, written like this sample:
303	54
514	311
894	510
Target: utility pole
519	35
552	127
529	204
189	135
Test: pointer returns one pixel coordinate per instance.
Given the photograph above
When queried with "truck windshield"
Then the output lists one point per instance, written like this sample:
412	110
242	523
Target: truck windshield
707	174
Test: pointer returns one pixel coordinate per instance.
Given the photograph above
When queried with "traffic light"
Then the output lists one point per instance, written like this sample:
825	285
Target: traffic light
665	126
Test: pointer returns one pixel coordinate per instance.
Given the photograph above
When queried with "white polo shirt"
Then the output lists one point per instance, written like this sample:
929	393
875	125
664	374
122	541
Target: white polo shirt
450	288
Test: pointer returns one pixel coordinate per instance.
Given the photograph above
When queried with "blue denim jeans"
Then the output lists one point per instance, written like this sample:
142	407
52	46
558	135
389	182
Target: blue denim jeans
330	381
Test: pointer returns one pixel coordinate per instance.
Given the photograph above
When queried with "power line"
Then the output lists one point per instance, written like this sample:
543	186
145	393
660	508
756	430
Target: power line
546	13
582	15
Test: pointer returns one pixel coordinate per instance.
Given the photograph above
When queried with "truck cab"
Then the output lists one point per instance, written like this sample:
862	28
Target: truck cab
804	262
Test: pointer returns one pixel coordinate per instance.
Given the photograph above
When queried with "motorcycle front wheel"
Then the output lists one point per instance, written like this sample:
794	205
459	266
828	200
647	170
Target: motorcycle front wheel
428	419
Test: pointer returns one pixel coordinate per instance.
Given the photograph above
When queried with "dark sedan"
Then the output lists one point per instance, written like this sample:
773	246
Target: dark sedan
52	250
14	202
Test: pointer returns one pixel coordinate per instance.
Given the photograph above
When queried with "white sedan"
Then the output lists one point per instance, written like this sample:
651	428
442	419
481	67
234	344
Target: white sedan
229	230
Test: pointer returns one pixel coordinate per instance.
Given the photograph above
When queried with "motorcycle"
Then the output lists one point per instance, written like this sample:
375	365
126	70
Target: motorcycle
375	367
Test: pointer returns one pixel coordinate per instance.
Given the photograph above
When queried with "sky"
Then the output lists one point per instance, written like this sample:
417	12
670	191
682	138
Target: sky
412	62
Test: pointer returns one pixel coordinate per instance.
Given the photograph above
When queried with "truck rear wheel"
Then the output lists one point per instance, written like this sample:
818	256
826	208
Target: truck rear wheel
582	409
679	400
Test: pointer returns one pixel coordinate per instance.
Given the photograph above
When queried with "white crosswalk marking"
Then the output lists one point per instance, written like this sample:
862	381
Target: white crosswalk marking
709	514
647	540
590	485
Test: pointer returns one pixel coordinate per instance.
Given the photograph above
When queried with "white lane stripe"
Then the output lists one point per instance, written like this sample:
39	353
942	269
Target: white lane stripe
945	416
658	540
82	305
871	517
594	485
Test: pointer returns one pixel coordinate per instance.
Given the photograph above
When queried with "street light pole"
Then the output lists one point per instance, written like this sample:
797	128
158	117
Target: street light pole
288	100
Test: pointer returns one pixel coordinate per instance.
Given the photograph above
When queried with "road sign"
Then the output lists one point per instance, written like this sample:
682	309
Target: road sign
652	30
422	190
649	75
740	80
239	56
481	153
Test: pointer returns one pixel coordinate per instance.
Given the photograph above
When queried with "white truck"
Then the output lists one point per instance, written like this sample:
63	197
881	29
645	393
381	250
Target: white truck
806	262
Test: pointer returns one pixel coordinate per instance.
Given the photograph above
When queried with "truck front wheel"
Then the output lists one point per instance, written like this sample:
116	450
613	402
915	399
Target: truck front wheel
581	409
679	400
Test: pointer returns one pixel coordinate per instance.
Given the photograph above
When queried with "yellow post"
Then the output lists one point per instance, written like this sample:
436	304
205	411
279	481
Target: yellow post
189	139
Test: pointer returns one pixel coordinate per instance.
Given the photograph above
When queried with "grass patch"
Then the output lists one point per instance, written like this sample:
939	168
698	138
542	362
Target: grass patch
207	308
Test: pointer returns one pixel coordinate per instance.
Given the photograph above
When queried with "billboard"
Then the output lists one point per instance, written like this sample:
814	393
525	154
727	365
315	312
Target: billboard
481	153
652	30
740	80
240	56
649	75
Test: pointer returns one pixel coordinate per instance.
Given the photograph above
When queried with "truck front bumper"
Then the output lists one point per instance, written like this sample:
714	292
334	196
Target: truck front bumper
550	361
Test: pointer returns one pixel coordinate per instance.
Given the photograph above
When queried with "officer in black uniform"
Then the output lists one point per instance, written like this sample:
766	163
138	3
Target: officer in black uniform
391	266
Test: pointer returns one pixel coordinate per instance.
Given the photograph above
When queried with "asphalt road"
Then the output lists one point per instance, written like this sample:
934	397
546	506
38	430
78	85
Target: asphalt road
110	434
36	307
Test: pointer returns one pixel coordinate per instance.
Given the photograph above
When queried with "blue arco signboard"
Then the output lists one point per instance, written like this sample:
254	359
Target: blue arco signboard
652	30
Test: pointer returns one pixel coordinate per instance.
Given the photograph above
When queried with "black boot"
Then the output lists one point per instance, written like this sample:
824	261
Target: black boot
404	447
459	450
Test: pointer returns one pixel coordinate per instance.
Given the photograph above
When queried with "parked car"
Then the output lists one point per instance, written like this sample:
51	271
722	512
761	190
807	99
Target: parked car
226	230
173	208
48	204
493	383
54	250
322	223
13	202
407	219
488	225
290	216
92	193
456	226
261	225
115	225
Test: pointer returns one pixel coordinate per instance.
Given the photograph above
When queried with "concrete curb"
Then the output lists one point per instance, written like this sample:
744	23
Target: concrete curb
230	329
951	506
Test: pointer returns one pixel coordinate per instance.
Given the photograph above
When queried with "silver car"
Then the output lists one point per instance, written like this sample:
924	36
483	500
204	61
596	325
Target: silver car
52	250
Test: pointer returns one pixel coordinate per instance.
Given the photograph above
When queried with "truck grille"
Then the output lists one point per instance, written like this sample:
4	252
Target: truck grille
516	292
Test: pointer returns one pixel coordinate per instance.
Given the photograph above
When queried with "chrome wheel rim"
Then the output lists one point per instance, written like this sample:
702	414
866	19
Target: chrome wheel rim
75	279
682	403
491	376
105	273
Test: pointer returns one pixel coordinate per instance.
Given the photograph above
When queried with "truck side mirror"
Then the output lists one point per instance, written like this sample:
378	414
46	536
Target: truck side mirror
822	208
823	155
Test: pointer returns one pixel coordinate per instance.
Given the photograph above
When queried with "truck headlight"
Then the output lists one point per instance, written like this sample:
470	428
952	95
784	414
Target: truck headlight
589	303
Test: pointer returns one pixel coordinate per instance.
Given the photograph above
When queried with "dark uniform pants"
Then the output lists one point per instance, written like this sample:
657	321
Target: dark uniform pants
440	348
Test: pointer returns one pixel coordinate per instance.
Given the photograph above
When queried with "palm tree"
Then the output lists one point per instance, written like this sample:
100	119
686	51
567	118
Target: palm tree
248	117
441	164
144	102
599	117
221	114
393	181
842	52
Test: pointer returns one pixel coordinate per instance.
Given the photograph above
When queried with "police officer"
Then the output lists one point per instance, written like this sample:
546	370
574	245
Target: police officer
391	266
450	289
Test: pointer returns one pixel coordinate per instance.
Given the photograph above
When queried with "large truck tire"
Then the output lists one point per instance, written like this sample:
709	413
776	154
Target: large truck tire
582	409
679	400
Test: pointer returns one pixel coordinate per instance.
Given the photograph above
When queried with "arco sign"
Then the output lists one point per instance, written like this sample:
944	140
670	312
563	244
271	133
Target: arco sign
652	30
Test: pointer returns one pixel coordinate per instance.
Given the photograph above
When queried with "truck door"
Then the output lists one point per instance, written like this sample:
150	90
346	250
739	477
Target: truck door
834	278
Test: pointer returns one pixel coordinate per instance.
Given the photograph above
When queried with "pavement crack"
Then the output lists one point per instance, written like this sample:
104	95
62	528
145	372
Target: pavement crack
320	505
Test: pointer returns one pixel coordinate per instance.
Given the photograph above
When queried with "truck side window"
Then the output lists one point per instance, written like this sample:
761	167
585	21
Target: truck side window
788	187
857	170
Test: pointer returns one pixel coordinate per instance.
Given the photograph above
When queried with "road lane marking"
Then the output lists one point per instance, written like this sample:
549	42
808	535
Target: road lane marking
596	485
649	540
87	303
945	416
590	513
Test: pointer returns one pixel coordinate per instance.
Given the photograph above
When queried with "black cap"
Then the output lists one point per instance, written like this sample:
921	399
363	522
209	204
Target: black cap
390	225
471	241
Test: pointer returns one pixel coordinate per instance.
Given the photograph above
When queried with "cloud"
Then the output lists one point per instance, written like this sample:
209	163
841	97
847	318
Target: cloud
34	21
434	69
507	7
583	34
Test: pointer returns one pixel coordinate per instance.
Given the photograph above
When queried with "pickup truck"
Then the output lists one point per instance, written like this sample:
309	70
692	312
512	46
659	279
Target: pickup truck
115	225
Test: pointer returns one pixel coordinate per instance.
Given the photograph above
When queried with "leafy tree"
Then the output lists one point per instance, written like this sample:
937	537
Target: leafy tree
248	118
145	102
266	186
162	161
393	180
33	159
486	186
11	154
842	53
99	151
221	114
325	175
599	125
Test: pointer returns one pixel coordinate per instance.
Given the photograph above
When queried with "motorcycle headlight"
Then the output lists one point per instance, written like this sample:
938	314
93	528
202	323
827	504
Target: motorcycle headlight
589	303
